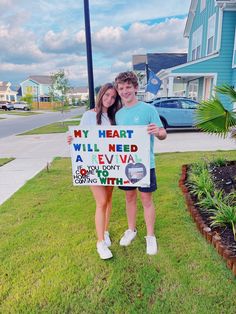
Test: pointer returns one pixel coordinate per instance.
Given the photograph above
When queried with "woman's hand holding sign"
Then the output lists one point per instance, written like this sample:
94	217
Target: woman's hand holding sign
69	139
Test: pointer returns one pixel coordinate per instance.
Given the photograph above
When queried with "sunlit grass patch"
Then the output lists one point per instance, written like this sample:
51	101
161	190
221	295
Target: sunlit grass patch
57	127
49	263
4	161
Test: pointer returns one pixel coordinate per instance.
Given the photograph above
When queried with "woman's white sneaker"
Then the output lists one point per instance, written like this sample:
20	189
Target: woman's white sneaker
128	237
103	251
151	245
107	238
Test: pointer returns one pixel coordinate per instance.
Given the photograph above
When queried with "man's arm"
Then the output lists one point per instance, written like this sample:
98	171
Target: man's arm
160	133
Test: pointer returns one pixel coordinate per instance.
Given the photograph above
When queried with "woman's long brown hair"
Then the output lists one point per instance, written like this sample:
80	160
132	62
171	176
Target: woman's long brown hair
111	110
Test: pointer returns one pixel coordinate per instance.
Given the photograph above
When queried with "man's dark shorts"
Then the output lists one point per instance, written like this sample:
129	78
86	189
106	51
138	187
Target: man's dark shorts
151	188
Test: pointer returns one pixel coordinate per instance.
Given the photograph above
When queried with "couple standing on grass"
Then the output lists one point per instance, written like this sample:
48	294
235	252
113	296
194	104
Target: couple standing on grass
109	111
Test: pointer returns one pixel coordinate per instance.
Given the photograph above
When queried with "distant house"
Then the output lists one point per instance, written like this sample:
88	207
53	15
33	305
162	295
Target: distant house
6	93
78	94
211	30
38	86
155	62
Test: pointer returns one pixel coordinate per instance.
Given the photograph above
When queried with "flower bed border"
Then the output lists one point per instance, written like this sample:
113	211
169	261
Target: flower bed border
211	236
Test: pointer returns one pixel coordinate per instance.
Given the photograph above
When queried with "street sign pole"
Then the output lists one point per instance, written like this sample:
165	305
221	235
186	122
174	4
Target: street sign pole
89	54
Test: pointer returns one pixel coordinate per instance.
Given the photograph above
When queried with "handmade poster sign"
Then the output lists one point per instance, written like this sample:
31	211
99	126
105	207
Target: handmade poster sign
111	155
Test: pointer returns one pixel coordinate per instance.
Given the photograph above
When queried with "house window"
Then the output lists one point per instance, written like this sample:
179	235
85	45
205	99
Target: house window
211	34
28	89
197	43
234	53
202	5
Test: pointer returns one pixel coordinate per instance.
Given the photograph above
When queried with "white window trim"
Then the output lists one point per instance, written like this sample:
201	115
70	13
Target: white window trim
234	51
214	35
202	5
219	32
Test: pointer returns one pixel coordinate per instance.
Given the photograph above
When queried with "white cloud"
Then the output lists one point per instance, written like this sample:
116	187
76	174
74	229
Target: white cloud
166	36
64	42
18	46
39	37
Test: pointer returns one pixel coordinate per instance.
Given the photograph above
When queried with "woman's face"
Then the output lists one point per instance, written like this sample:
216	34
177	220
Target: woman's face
109	98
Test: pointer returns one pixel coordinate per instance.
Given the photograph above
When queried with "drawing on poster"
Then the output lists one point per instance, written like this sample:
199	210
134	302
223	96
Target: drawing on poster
114	155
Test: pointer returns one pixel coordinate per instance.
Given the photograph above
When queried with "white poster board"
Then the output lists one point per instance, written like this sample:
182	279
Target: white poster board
110	155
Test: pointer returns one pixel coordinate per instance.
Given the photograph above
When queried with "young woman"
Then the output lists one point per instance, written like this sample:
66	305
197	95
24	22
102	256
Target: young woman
107	105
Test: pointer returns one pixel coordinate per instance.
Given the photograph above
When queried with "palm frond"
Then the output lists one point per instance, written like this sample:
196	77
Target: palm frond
227	90
212	117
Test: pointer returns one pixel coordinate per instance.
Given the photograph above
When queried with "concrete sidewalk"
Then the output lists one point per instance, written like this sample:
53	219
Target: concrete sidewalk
33	152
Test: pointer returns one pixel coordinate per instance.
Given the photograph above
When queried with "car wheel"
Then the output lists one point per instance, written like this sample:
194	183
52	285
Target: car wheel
165	124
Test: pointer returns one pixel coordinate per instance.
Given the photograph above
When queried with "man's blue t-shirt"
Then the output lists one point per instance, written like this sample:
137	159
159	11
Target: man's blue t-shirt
140	114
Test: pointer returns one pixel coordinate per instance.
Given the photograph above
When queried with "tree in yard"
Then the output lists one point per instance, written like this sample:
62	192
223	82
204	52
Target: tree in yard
212	117
59	87
28	98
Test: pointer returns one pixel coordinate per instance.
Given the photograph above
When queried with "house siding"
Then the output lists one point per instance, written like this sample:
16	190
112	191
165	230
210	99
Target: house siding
201	19
222	64
29	87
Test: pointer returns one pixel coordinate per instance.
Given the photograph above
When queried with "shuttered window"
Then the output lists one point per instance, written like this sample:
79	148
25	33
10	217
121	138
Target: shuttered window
197	44
211	34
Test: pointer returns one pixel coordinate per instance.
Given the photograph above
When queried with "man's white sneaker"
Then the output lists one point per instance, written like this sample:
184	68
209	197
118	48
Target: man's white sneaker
151	245
103	250
107	238
128	237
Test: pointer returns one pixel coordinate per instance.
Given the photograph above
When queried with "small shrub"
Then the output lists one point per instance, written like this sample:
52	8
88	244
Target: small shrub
223	215
201	183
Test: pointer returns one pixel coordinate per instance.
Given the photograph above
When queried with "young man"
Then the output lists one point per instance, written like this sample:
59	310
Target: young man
135	112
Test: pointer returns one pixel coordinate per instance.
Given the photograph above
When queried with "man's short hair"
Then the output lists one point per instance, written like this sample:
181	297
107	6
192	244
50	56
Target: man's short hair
129	77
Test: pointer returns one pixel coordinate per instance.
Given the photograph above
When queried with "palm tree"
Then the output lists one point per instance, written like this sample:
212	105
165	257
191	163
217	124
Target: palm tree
212	117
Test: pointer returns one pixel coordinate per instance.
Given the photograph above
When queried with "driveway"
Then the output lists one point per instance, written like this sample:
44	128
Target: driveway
183	140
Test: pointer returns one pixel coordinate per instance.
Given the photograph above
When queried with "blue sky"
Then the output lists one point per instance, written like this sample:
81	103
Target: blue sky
40	37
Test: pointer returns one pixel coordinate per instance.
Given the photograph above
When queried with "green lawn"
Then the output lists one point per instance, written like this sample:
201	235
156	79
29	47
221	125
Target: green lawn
57	127
4	161
49	264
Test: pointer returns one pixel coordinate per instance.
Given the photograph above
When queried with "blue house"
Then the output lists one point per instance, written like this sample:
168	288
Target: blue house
211	61
38	86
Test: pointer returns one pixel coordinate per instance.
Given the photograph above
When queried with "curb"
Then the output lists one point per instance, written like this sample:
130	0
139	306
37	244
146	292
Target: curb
211	237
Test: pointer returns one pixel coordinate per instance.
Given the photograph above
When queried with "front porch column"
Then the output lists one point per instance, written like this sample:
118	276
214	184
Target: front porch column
164	91
171	86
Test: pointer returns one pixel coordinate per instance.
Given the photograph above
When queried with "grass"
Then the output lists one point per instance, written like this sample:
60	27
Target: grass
4	161
64	108
77	117
49	263
57	127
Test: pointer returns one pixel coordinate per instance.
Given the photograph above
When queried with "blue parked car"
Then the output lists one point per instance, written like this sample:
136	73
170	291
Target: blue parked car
175	111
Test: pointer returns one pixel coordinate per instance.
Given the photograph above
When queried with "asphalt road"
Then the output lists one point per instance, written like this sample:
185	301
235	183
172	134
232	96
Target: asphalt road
18	124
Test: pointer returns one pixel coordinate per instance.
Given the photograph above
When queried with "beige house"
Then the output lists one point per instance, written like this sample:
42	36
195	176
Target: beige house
78	94
6	94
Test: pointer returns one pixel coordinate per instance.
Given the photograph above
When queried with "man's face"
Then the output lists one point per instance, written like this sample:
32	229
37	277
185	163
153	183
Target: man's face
127	92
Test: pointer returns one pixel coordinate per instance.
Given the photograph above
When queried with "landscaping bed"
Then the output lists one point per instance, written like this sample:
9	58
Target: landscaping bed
218	230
